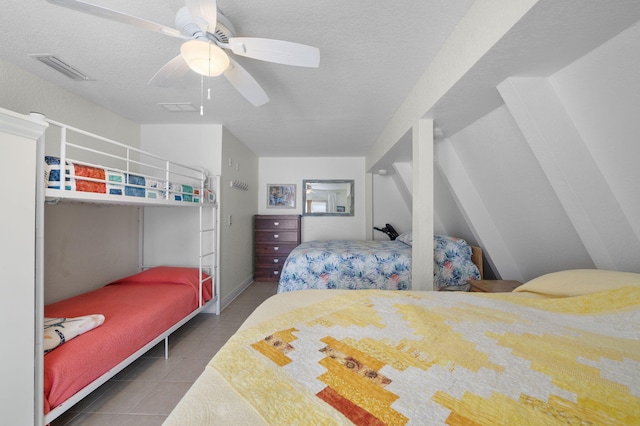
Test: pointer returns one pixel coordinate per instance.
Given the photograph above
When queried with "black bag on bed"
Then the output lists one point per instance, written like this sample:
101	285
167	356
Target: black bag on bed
389	230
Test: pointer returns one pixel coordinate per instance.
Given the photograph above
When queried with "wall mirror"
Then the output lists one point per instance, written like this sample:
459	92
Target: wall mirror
327	197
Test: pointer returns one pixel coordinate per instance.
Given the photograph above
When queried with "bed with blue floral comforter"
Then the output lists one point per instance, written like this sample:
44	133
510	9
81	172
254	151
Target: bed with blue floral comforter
383	265
342	264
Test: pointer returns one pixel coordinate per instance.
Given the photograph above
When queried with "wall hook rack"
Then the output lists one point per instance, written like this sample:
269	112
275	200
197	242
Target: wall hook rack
239	185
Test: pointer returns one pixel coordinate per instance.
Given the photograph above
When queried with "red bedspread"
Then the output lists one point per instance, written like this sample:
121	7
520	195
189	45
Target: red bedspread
136	311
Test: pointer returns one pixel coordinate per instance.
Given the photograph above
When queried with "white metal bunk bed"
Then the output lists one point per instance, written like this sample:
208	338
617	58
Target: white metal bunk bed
124	161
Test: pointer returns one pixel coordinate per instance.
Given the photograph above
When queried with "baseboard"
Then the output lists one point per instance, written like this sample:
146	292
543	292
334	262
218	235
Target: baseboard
230	297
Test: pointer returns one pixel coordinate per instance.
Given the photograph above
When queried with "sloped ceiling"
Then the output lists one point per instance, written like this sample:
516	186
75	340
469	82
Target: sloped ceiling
542	176
372	54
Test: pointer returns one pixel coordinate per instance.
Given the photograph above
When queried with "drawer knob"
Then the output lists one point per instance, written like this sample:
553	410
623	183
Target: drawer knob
276	248
275	260
276	236
276	223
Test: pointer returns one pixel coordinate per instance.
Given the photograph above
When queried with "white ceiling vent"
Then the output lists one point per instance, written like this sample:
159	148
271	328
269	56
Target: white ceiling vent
178	106
62	67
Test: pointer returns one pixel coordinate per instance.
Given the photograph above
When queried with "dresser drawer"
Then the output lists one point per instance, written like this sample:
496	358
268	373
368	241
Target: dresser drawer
270	261
267	274
276	223
274	249
277	236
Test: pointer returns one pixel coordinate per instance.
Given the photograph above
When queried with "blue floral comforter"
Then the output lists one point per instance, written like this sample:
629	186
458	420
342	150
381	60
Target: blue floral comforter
452	265
384	265
352	265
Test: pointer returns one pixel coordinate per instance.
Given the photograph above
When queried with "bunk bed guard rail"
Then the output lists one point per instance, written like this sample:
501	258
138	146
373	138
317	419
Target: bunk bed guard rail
97	164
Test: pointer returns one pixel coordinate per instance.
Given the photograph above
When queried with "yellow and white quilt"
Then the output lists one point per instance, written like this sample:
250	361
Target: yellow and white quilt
383	357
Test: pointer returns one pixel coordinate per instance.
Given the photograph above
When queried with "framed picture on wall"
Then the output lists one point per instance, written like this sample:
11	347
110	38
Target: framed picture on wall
281	196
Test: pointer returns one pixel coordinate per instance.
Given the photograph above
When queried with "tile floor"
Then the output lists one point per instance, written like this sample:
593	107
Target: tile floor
145	392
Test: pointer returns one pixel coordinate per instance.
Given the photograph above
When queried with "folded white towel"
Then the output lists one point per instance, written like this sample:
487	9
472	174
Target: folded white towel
60	330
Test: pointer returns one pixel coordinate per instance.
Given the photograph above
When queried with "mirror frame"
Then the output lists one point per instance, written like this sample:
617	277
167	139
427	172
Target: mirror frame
305	182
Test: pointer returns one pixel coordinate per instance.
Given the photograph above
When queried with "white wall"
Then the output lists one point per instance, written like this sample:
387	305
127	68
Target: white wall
517	196
527	204
449	219
87	246
197	145
171	234
294	171
74	263
23	92
389	207
209	146
237	210
602	95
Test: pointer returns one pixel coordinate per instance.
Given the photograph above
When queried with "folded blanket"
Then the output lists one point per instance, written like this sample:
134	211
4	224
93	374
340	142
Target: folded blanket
80	170
115	181
155	193
52	172
137	190
73	170
60	330
209	196
152	183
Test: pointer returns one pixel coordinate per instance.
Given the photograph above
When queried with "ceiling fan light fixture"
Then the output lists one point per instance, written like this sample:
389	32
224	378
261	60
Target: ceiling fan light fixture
204	57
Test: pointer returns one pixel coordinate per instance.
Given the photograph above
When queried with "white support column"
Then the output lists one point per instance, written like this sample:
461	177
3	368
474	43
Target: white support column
422	253
21	257
473	208
573	173
38	302
368	188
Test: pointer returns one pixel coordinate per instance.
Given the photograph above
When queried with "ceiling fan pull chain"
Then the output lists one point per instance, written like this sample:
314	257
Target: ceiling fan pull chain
201	95
209	76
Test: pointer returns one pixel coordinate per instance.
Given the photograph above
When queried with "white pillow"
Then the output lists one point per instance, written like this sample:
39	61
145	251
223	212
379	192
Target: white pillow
406	237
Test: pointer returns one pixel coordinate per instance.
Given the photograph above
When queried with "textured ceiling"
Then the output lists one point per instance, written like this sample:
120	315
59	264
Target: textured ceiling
371	55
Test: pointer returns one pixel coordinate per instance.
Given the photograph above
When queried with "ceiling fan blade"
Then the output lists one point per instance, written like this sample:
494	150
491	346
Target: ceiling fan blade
278	51
245	84
114	15
170	73
204	13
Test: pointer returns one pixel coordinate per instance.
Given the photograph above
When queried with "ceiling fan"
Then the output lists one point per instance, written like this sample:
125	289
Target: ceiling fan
208	36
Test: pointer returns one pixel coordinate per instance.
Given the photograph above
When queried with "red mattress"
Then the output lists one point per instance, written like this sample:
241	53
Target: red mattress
137	309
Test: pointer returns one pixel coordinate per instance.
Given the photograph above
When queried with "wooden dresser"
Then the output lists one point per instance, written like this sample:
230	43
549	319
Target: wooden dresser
275	237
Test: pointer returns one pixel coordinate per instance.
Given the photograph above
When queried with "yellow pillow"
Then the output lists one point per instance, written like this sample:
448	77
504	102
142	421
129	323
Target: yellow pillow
577	282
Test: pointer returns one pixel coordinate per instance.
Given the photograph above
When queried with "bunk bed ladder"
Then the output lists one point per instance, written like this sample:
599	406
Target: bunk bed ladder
216	271
209	232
